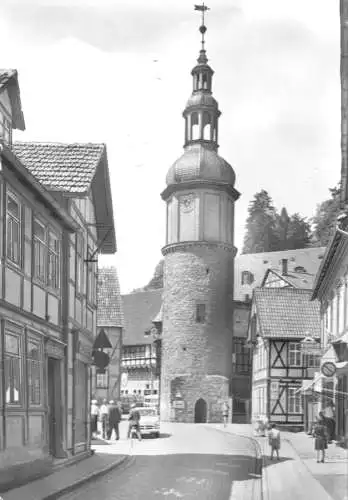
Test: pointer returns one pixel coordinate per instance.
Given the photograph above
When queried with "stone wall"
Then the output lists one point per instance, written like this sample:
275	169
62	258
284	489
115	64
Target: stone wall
196	357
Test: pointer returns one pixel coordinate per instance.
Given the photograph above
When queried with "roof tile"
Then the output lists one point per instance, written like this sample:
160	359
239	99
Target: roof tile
287	312
61	167
140	309
110	310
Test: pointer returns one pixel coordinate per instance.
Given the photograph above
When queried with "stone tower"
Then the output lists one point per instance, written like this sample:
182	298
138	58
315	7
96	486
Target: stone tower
199	259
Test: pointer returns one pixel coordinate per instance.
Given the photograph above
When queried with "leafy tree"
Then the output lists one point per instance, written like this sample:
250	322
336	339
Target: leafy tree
282	229
324	220
261	225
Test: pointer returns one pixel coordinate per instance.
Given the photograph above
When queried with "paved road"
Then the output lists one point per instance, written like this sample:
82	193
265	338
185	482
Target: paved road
188	461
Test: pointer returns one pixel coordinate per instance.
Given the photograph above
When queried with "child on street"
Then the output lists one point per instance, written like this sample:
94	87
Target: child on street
274	440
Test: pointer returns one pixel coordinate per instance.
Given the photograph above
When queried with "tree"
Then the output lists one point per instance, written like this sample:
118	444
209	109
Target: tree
261	231
324	220
299	233
282	228
156	281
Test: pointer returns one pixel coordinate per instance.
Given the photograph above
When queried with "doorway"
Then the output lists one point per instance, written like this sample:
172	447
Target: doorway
200	411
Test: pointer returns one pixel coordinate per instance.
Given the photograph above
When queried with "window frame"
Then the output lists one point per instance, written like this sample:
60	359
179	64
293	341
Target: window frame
19	357
298	363
247	278
14	219
90	278
42	245
38	363
242	356
79	264
102	380
53	260
294	401
201	313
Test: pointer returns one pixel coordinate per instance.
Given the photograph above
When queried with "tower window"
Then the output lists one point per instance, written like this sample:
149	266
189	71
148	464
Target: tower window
206	126
200	313
194	127
205	81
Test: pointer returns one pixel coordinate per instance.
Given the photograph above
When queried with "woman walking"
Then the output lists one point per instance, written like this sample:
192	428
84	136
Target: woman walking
320	437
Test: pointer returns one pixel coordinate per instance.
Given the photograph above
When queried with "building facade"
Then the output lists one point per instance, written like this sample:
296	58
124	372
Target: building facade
198	268
109	319
56	216
281	319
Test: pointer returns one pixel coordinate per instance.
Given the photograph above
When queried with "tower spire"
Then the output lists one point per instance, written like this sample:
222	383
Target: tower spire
202	59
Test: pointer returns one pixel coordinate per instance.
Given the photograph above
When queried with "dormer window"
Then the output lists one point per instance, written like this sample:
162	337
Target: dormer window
5	128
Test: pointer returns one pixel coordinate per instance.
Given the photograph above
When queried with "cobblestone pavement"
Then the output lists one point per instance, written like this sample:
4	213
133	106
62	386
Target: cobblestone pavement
189	461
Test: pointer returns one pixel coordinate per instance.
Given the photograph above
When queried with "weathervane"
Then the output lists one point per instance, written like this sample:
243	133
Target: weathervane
202	8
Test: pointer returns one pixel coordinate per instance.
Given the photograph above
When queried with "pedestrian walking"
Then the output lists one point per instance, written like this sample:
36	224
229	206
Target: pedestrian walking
134	422
114	420
225	410
274	440
104	413
320	437
329	414
94	417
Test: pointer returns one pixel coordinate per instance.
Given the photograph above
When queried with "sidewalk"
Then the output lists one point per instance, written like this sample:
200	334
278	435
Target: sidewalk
66	479
297	474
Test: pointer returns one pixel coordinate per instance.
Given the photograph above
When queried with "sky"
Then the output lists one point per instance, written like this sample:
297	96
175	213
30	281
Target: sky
87	73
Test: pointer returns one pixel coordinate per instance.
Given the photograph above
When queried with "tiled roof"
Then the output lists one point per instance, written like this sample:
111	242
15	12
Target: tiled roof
258	263
61	167
287	312
140	309
5	76
110	310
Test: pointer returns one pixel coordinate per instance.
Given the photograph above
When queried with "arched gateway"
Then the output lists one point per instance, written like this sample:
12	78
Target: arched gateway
200	411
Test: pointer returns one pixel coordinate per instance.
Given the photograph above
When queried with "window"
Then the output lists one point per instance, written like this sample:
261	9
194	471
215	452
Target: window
295	354
300	269
34	366
247	278
40	251
53	261
13	229
102	380
294	400
79	264
312	360
242	356
200	313
13	369
90	278
5	128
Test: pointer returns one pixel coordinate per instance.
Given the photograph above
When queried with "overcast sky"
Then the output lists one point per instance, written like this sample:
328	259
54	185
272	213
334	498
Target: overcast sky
87	74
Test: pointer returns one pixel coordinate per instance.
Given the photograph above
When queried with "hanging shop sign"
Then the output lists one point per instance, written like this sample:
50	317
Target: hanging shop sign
328	369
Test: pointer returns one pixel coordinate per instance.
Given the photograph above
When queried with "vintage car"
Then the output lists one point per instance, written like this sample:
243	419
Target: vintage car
149	422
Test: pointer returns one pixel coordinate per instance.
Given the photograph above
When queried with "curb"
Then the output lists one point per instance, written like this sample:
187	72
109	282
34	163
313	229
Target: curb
87	479
257	482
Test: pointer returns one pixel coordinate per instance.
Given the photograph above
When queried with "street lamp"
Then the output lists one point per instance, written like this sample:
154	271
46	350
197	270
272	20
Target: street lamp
101	359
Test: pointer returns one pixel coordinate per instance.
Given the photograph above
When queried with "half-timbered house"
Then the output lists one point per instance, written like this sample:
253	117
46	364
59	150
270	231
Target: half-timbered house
281	318
110	320
140	352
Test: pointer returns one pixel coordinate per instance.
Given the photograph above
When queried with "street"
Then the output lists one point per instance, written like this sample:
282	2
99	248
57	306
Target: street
189	461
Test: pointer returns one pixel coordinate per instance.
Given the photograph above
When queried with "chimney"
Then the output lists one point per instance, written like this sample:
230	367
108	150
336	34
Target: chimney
284	267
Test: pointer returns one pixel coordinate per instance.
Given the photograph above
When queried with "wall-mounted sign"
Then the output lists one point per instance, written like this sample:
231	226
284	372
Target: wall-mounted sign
328	369
124	380
179	404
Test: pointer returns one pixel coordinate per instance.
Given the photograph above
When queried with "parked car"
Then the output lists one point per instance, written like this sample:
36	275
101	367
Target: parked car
149	422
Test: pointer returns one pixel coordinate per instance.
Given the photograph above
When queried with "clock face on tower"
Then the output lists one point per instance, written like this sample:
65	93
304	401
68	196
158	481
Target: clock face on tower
187	203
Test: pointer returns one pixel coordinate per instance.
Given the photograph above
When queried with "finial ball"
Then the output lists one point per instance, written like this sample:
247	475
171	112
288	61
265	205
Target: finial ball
202	29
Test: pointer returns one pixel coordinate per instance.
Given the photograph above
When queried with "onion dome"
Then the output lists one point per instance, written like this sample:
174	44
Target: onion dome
199	163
